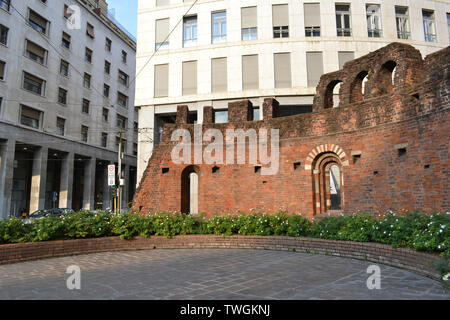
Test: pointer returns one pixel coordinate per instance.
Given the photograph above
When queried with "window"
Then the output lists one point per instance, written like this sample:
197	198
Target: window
37	22
84	133
108	44
64	68
373	14
85	106
62	96
105	114
136	127
250	74
135	149
60	126
219	26
35	52
429	26
5	4
122	100
30	117
448	26
123	78
280	21
33	84
90	30
314	68
345	56
107	67
124	57
220	116
219	75
162	34
106	90
312	19
2	70
249	24
189	77
402	19
121	122
87	81
104	139
343	20
282	63
65	42
161	80
88	55
3	35
189	31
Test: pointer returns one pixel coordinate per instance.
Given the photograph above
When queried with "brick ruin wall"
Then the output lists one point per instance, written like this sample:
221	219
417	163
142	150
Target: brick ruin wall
391	144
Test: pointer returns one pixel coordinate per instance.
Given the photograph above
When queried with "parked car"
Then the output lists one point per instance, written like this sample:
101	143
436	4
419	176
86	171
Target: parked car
55	212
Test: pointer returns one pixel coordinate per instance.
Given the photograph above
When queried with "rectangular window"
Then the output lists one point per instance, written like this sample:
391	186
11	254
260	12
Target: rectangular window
30	117
124	56
88	55
104	139
429	26
5	4
65	42
62	96
108	44
84	133
219	75
250	73
33	84
105	90
312	19
122	100
2	70
282	63
121	122
38	22
135	149
402	19
64	68
107	67
60	126
87	81
189	31
280	20
314	68
85	106
343	20
4	35
105	114
90	30
373	14
123	78
345	56
219	26
162	34
161	80
249	24
189	77
220	116
35	52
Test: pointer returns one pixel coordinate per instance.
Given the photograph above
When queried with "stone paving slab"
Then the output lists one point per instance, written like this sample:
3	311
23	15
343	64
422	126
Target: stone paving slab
207	274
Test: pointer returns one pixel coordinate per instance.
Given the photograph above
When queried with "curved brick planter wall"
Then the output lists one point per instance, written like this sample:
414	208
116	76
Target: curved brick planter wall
418	262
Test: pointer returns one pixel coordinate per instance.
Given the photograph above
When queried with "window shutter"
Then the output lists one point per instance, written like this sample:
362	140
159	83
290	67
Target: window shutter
314	66
280	15
189	77
219	75
162	30
250	73
249	17
31	113
312	14
282	63
161	80
90	30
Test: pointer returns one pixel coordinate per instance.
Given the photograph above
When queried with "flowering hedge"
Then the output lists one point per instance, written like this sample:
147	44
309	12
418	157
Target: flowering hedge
413	230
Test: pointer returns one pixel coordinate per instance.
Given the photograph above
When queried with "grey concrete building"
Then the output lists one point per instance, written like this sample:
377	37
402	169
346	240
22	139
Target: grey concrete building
66	92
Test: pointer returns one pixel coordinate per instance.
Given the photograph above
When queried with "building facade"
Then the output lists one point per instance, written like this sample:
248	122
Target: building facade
66	94
209	53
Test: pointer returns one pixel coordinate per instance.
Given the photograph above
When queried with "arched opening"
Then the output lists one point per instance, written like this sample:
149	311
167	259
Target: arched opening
386	78
328	182
332	94
189	190
358	88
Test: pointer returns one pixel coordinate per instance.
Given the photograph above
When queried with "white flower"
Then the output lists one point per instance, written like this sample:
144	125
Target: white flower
446	277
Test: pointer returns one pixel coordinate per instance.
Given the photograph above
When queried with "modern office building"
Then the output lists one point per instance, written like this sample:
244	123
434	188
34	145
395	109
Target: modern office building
66	92
209	53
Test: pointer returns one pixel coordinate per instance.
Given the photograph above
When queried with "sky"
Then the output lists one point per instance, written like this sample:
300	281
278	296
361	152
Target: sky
126	13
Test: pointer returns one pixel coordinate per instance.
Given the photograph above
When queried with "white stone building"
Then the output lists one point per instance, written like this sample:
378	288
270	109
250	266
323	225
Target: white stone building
66	91
222	51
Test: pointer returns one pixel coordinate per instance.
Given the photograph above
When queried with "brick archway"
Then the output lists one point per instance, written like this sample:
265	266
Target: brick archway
334	148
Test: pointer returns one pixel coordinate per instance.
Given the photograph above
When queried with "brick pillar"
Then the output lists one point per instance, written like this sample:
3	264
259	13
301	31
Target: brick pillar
240	111
38	179
270	108
7	153
182	114
208	115
89	184
66	184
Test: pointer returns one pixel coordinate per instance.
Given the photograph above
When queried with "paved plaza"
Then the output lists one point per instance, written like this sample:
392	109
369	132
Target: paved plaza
219	274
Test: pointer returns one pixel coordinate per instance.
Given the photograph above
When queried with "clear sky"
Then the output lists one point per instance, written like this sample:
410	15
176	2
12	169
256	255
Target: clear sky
126	13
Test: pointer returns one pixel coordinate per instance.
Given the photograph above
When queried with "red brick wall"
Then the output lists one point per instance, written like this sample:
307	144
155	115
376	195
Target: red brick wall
413	113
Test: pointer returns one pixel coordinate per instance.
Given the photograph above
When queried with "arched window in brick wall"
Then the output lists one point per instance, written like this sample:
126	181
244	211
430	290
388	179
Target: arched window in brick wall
358	87
332	94
384	83
189	190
